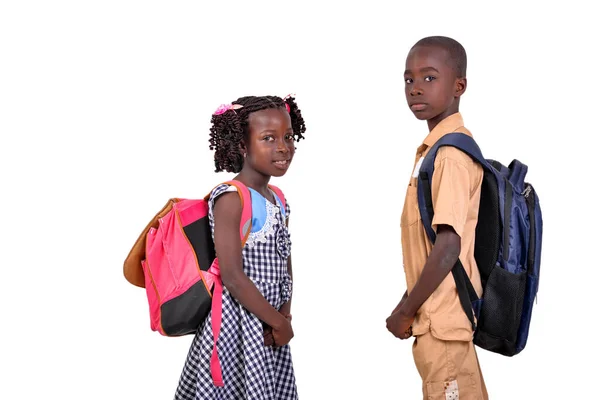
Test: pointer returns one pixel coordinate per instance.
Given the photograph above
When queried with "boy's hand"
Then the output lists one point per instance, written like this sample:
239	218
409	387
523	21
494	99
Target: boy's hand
399	324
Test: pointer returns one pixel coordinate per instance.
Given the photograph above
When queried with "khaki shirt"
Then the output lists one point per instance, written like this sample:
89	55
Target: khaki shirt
455	189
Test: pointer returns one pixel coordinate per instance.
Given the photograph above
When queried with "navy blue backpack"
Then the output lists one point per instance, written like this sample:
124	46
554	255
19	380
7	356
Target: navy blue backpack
508	243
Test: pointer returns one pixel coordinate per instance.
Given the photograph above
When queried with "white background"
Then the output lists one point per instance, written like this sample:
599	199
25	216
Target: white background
104	115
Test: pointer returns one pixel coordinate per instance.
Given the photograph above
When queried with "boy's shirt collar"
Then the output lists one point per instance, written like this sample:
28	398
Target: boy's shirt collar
451	123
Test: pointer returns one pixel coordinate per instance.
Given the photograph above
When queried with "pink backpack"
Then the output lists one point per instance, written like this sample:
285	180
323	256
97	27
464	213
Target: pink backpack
174	260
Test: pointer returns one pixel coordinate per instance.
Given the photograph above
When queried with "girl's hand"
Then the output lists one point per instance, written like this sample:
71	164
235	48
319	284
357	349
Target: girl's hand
268	336
283	333
287	316
268	331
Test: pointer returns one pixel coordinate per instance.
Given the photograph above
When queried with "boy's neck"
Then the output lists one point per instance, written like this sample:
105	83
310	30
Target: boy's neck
433	122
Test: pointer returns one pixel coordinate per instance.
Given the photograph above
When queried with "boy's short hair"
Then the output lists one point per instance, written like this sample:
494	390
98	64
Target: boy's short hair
458	55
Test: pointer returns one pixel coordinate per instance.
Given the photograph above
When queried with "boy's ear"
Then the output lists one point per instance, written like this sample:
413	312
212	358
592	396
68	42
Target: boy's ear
460	87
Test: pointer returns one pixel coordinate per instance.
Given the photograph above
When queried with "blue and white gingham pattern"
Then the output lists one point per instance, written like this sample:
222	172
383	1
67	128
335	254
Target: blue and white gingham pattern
250	370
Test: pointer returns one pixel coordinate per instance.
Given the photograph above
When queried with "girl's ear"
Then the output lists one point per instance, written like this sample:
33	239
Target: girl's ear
243	149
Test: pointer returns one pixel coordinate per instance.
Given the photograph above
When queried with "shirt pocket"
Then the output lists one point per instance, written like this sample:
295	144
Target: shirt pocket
410	212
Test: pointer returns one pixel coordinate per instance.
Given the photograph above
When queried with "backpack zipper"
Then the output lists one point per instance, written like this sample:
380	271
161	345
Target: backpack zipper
531	210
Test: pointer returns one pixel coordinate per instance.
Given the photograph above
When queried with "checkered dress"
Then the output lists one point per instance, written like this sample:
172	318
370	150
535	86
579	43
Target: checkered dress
250	370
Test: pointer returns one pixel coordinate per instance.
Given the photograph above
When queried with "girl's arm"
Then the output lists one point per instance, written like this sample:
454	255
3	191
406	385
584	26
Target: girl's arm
228	245
287	307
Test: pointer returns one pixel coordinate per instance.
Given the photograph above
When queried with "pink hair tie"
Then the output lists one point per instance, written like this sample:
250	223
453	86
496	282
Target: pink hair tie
223	108
287	106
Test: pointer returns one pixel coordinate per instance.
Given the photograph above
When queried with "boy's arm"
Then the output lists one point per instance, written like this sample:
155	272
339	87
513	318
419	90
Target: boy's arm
451	192
443	256
402	300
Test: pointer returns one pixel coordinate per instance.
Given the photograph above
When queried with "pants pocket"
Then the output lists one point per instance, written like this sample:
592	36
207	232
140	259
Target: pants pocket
462	388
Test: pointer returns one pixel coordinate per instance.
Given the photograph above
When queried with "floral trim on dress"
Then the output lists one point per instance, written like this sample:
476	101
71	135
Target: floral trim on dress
268	228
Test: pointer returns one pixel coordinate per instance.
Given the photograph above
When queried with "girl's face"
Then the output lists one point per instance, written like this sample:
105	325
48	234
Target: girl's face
270	145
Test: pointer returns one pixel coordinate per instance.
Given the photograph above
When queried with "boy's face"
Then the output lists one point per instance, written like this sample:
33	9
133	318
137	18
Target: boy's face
431	86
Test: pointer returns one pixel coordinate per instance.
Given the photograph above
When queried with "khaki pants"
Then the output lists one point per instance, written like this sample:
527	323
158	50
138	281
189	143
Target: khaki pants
449	369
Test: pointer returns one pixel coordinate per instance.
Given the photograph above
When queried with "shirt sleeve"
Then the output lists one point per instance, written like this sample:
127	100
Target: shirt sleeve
450	192
218	191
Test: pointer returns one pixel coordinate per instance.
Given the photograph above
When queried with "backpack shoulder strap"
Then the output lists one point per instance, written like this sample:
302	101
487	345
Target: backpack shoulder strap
279	194
217	305
246	219
466	293
462	142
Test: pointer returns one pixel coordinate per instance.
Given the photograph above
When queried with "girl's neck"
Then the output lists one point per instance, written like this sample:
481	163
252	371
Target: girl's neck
254	180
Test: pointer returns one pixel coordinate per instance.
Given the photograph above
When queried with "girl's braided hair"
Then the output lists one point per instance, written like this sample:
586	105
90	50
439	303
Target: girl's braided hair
229	128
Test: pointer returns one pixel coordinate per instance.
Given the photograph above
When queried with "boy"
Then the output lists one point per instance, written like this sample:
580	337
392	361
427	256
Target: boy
430	310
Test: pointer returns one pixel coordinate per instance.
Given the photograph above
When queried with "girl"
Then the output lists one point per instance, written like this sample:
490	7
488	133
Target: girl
254	137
